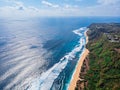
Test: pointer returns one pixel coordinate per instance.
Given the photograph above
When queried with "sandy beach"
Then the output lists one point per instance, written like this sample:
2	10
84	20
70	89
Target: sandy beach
75	77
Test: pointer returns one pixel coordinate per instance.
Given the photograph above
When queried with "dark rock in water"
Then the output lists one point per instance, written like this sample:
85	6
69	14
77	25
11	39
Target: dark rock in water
58	83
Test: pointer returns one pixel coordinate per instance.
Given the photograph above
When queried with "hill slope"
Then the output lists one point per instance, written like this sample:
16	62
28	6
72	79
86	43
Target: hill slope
104	57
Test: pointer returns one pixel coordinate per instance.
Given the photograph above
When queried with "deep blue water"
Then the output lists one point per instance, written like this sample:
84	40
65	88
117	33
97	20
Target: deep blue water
41	53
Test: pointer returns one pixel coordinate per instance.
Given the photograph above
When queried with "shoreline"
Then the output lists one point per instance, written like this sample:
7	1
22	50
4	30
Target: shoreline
76	73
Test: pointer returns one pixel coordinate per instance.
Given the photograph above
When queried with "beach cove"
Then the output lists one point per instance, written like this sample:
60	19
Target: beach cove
77	71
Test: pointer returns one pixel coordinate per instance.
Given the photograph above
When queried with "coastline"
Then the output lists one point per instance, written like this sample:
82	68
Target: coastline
76	73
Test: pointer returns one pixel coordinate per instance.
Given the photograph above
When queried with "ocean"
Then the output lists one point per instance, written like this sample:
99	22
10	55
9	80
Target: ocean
42	53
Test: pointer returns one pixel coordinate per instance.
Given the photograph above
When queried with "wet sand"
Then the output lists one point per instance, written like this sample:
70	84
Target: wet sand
75	76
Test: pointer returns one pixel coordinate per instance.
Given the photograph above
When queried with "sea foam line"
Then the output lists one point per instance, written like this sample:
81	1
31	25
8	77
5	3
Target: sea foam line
47	78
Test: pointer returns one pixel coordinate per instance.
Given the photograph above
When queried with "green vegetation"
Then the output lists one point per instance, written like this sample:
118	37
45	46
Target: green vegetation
104	57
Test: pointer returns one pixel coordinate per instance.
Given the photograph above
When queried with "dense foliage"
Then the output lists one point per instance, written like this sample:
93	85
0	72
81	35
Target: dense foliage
104	57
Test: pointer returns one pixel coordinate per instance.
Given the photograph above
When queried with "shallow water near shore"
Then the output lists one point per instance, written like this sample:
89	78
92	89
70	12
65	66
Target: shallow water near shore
41	53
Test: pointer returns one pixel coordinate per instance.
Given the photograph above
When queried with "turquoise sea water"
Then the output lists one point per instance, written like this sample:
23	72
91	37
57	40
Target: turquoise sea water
41	53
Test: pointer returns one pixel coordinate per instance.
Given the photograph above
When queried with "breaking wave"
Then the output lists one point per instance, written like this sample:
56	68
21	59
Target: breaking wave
45	81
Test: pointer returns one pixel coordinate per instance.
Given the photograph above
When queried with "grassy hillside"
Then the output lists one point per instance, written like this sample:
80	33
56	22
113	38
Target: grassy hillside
104	57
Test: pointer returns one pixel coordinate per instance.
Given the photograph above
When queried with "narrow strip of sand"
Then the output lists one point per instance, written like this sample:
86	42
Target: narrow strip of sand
75	76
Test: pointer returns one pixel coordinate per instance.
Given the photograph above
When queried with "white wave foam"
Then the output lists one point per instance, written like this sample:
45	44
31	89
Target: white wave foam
47	78
78	31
